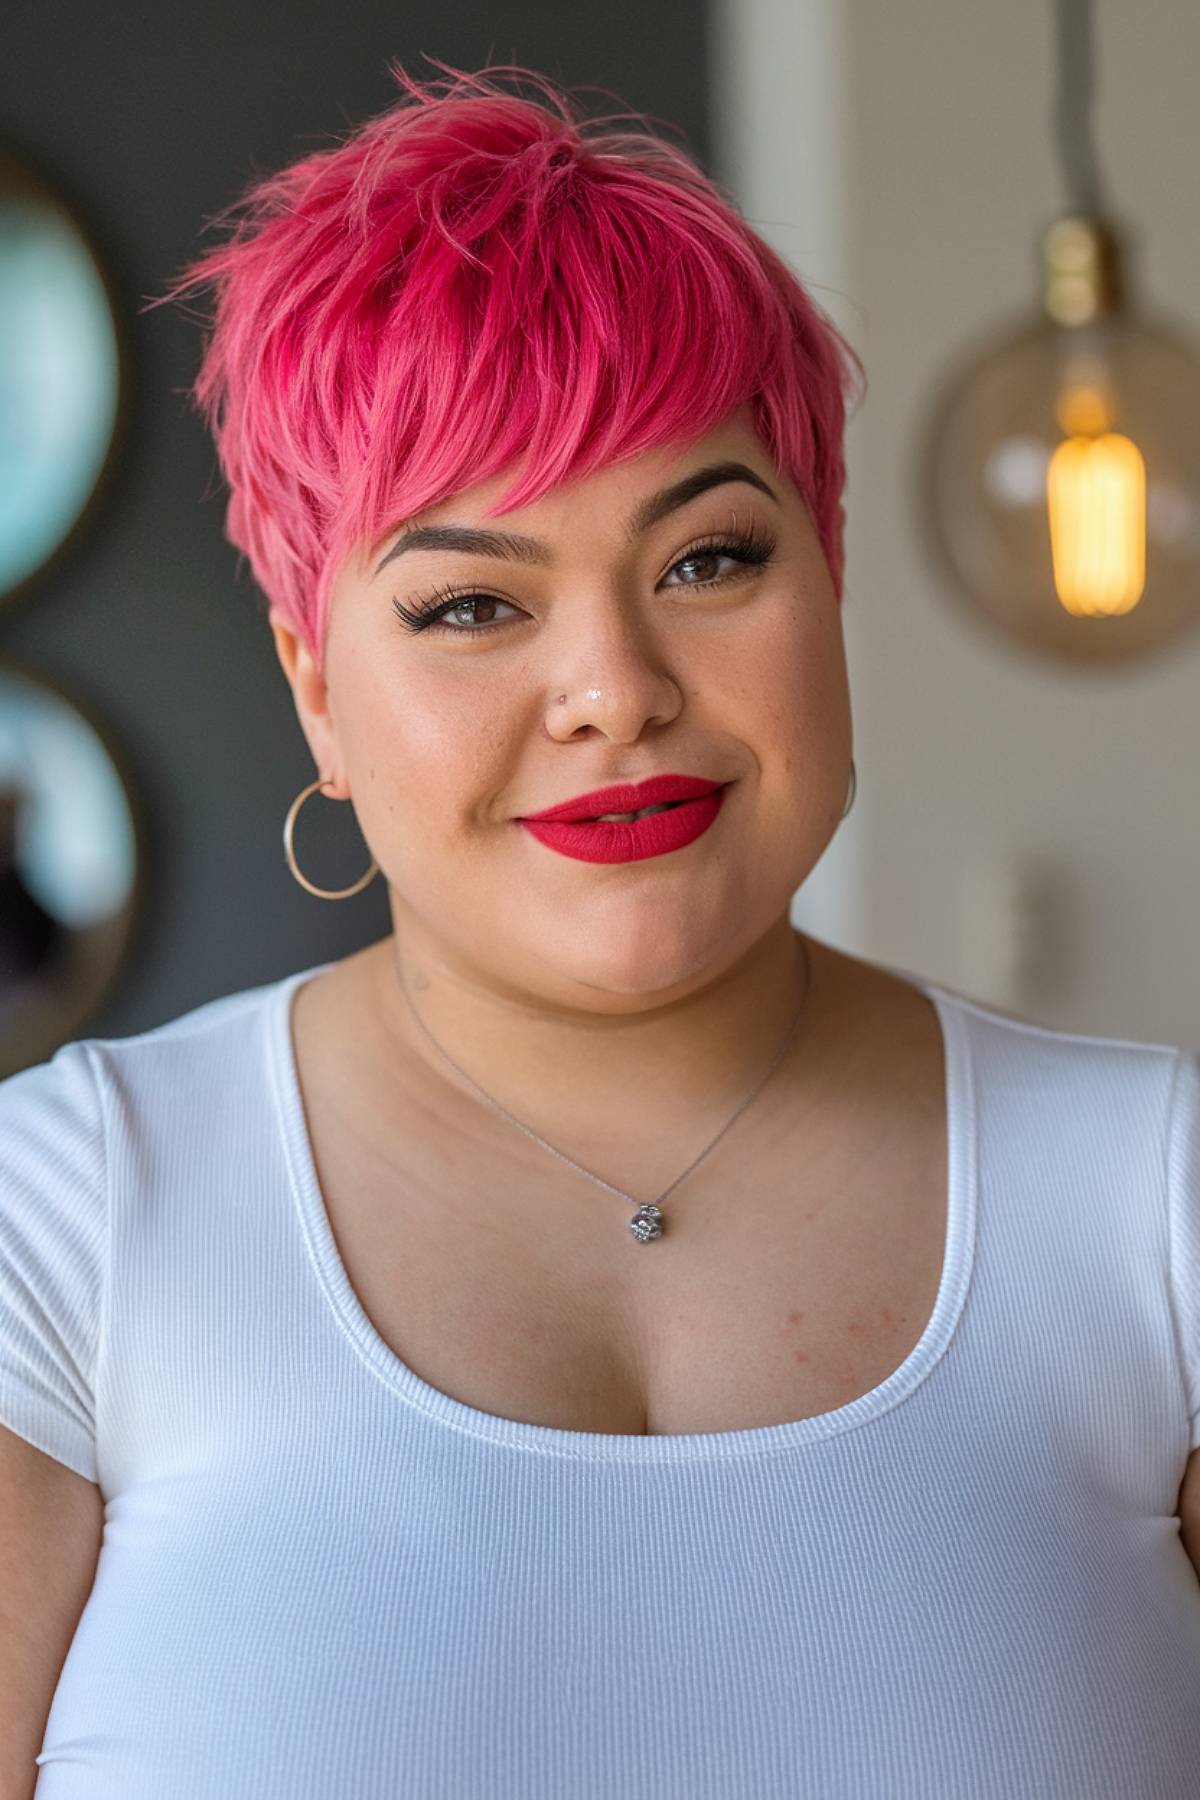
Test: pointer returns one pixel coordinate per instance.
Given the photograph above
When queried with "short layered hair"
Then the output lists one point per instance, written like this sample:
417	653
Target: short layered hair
478	277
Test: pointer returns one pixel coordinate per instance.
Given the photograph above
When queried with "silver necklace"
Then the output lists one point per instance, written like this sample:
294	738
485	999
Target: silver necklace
646	1223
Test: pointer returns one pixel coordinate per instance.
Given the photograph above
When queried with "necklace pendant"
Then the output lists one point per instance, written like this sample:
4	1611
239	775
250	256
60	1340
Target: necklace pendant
645	1224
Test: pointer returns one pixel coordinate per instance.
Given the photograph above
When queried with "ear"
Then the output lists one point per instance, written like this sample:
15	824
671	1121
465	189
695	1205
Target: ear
311	699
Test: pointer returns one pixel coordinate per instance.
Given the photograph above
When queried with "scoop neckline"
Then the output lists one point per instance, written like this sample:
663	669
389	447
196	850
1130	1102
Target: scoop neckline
598	1446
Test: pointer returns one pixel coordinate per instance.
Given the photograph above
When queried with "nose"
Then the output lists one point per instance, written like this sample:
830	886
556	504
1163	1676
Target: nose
623	684
620	709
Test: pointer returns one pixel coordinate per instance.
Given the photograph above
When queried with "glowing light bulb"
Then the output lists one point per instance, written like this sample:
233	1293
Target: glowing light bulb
1096	499
1060	473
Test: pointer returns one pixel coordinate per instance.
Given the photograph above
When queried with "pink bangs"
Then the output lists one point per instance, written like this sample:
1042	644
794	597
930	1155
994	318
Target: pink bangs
474	279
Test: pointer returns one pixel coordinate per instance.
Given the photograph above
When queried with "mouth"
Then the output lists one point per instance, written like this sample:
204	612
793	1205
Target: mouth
681	790
627	818
631	836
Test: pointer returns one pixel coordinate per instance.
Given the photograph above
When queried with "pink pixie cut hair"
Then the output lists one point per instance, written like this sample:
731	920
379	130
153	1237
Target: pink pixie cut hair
474	276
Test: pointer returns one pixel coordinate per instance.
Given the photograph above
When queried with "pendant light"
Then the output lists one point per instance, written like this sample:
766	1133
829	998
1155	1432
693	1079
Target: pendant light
1060	464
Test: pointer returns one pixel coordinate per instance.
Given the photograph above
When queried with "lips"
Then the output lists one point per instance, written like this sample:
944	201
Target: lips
627	797
630	818
658	834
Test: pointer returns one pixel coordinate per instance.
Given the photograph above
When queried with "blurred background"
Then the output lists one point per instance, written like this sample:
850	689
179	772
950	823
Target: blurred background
995	204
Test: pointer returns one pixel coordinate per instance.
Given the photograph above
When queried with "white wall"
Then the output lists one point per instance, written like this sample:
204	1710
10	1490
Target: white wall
903	156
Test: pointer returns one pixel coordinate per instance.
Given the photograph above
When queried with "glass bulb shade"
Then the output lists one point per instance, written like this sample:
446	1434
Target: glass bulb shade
1059	487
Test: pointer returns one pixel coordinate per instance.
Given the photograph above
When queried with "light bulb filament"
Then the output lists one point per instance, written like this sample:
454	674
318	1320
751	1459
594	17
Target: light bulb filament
1096	498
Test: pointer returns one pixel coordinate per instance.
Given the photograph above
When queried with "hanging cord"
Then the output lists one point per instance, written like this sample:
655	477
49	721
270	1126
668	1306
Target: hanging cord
1073	108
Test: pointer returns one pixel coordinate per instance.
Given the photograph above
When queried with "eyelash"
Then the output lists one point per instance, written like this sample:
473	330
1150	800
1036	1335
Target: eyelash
753	549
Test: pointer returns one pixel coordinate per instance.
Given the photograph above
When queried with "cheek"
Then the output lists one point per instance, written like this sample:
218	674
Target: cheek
786	682
418	751
421	750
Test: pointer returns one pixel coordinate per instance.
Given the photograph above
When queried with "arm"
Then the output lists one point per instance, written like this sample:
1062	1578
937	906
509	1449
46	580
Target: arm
51	1523
1189	1510
53	1208
1183	1190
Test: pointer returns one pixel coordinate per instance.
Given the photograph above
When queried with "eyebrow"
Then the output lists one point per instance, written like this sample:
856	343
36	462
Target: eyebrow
480	540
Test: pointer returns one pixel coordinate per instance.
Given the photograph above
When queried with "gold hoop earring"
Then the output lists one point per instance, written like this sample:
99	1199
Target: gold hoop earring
288	827
850	798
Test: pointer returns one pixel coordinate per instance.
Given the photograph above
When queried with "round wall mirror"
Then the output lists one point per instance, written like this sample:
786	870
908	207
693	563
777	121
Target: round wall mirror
70	868
60	374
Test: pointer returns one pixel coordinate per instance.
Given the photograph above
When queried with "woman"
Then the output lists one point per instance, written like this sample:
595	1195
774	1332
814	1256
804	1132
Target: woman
851	1462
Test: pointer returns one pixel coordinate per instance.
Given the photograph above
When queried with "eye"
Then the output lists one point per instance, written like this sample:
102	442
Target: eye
437	606
751	550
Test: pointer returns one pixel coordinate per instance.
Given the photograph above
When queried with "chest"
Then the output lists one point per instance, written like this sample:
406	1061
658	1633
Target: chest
785	1285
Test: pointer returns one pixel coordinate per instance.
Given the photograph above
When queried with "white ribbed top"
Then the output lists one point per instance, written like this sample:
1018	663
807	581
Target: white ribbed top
324	1579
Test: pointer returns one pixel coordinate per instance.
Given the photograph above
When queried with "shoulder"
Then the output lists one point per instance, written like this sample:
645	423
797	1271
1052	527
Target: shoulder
180	1068
228	1015
66	1123
1017	1036
84	1137
1007	1047
1121	1086
53	1240
1032	1093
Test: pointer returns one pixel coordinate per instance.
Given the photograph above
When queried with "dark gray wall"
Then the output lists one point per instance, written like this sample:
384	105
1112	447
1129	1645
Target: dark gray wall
150	119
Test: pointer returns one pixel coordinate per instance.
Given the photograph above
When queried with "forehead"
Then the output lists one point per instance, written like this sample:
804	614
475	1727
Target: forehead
734	439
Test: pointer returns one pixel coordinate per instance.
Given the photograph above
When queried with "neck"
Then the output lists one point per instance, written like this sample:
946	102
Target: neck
665	1077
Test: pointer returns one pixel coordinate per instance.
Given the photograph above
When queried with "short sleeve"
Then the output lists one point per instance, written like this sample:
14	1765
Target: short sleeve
1183	1189
53	1247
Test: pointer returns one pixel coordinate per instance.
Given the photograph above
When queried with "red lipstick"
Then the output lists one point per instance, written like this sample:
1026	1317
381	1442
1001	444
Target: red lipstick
574	829
629	797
